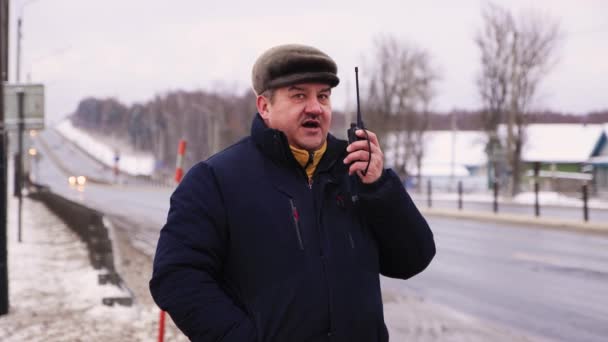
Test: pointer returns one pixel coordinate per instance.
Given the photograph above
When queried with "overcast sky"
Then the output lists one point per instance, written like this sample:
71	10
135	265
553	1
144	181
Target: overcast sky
134	49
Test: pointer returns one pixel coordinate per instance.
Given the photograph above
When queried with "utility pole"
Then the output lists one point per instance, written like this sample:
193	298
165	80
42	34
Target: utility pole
18	65
19	165
19	38
3	190
453	147
512	112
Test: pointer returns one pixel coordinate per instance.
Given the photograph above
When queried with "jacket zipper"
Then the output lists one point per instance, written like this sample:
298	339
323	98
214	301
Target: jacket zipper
350	238
340	202
296	221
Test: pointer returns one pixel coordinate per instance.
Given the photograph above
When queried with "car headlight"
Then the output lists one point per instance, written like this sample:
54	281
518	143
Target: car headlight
81	180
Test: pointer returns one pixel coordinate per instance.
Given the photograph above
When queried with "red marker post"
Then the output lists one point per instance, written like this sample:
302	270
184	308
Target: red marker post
179	173
179	163
161	327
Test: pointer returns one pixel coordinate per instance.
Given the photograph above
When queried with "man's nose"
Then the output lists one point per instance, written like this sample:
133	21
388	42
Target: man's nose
313	106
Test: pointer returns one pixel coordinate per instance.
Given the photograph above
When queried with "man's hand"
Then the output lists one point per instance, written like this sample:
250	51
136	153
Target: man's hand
358	155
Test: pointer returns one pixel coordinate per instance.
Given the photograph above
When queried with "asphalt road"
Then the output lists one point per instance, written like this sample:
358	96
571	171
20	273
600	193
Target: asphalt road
546	283
72	158
550	283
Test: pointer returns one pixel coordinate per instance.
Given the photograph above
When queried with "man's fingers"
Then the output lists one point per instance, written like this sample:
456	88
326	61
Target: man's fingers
357	166
372	136
360	167
363	145
359	155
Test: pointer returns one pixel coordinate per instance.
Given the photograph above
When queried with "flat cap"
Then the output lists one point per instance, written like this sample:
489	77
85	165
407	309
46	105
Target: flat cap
290	64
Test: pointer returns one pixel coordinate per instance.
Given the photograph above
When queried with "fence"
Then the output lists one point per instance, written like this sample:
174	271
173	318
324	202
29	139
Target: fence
495	201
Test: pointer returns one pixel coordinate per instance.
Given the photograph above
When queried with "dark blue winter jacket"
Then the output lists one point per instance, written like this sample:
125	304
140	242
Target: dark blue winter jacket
251	252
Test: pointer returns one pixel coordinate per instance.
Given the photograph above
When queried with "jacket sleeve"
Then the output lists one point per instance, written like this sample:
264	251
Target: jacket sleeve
405	240
188	263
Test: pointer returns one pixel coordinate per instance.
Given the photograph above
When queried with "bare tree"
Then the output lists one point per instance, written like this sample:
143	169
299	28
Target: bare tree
400	95
516	52
493	81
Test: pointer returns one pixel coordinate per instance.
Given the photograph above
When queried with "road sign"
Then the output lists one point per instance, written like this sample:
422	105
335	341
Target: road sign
33	110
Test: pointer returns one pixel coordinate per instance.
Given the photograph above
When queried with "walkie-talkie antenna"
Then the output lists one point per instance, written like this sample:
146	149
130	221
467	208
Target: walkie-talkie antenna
359	120
360	124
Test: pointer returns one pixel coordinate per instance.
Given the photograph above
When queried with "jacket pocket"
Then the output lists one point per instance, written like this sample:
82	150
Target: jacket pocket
296	222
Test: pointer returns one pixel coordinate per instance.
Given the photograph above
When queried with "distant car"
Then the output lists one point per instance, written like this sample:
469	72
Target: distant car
80	180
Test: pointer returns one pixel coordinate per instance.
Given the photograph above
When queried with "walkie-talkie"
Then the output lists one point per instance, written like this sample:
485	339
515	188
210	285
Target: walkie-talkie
352	136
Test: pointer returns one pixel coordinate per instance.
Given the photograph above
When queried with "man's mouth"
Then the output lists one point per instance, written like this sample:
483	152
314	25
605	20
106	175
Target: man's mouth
311	124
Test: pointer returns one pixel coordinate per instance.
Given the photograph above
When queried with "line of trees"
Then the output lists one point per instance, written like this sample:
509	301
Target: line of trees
207	121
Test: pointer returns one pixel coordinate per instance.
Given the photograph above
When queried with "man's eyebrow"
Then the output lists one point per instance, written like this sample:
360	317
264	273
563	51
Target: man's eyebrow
326	90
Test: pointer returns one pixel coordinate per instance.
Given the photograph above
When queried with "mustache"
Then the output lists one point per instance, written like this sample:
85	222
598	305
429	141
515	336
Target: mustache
311	117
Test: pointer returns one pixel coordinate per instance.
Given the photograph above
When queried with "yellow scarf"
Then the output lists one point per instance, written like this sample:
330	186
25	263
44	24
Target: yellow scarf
303	157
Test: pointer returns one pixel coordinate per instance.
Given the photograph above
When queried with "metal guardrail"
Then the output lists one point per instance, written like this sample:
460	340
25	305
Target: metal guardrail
88	224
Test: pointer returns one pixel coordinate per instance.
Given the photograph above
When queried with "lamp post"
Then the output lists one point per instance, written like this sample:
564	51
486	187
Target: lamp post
4	19
19	36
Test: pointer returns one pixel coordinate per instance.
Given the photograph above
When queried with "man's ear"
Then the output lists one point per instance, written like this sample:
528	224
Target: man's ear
262	103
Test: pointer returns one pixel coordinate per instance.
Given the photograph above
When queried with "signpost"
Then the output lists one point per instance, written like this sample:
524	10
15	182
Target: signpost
23	109
33	106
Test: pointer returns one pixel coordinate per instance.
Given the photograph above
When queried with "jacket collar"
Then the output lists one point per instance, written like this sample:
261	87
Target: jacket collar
273	143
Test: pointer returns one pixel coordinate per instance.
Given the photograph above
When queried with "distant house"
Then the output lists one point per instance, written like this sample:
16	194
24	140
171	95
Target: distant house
449	156
598	164
567	146
562	150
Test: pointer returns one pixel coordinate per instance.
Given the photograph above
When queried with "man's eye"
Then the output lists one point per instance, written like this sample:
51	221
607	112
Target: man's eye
299	96
324	97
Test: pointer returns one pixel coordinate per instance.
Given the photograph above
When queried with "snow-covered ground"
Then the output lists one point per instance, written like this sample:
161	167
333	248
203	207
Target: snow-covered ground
129	162
524	198
53	290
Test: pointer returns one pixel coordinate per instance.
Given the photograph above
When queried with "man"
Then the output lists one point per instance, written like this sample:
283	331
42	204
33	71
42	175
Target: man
271	239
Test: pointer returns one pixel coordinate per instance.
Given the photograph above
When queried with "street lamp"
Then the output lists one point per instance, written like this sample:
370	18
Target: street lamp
19	36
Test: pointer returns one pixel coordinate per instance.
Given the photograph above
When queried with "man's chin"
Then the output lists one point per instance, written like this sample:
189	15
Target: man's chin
311	145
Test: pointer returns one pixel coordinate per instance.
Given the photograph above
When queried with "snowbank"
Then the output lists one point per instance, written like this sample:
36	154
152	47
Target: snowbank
133	164
54	293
